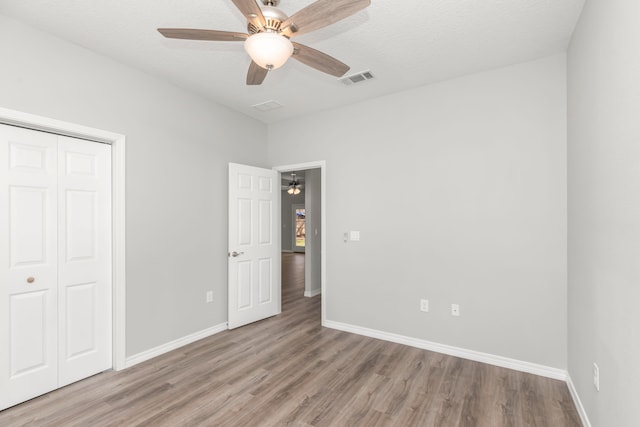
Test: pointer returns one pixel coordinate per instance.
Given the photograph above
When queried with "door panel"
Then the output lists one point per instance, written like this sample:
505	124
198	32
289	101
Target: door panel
254	273
245	289
84	258
29	332
28	236
266	280
80	225
265	214
28	272
245	226
80	319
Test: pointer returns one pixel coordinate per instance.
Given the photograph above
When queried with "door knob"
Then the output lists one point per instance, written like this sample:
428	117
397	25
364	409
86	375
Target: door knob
235	254
30	280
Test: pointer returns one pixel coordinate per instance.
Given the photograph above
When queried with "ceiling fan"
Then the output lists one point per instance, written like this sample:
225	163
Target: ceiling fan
270	30
294	187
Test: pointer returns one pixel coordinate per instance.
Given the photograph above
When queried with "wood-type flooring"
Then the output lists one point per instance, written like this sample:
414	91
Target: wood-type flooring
288	370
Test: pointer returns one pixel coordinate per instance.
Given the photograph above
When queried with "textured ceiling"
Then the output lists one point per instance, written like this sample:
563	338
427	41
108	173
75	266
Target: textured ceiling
404	43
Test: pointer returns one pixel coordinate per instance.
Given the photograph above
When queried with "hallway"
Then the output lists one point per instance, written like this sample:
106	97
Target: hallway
293	280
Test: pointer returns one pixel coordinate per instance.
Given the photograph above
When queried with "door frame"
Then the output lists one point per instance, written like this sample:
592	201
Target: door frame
322	165
117	142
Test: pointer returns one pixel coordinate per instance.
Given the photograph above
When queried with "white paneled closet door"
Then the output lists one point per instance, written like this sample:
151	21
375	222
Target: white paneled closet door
84	259
55	262
29	264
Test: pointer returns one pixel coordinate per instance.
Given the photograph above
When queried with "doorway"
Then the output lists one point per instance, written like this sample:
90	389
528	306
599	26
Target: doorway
314	226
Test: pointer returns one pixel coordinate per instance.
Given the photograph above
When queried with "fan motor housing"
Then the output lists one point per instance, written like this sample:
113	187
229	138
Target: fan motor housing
273	16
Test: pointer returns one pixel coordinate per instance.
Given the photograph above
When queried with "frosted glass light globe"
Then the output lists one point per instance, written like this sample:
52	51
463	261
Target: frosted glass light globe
268	50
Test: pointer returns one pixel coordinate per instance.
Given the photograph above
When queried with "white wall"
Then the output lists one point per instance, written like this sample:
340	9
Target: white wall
178	147
604	210
459	192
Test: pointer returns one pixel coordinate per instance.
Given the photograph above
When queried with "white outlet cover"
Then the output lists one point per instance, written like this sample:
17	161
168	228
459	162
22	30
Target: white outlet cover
424	305
354	236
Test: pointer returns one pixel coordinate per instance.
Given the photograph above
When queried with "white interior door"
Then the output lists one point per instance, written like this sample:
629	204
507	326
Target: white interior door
84	259
55	262
28	253
254	244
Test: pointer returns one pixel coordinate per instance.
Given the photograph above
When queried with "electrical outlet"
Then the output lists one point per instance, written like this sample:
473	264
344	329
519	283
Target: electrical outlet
424	305
209	296
596	376
455	310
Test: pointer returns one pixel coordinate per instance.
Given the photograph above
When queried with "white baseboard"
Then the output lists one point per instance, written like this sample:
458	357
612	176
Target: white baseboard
491	359
312	293
578	402
180	342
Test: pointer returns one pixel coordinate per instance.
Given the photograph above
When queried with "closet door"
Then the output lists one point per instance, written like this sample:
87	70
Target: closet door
84	254
55	262
28	264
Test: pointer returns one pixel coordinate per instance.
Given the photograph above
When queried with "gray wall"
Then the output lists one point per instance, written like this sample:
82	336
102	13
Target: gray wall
313	207
604	210
459	192
178	147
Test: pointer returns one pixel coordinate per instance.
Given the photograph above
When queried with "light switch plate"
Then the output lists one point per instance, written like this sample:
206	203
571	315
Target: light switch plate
354	236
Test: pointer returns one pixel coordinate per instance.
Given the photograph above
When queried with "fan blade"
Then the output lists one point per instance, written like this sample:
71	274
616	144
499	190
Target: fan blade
251	11
318	60
320	14
256	74
195	34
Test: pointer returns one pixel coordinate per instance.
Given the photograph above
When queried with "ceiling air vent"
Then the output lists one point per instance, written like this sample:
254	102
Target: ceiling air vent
267	105
357	78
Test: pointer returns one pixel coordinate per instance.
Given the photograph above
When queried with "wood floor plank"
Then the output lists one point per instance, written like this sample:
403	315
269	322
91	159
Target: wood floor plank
421	405
290	371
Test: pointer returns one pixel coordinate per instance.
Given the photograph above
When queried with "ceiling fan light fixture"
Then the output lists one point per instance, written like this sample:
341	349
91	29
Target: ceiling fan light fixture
294	186
268	50
294	191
